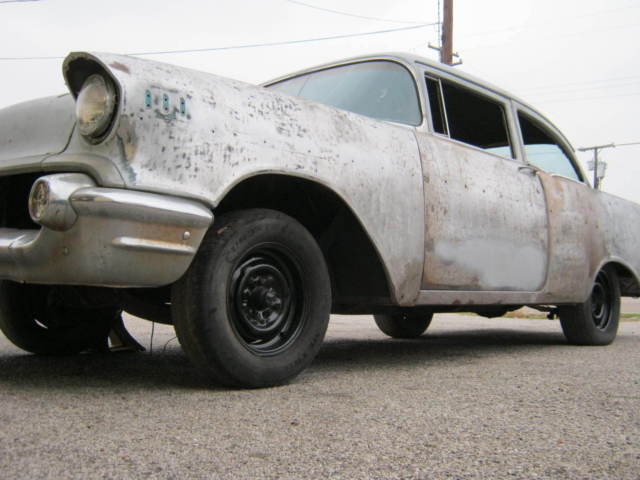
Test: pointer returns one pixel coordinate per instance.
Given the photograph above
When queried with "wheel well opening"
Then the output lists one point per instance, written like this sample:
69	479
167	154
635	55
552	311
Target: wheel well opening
629	286
358	278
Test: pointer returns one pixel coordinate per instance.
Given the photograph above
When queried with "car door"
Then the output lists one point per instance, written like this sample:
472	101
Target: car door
575	233
486	225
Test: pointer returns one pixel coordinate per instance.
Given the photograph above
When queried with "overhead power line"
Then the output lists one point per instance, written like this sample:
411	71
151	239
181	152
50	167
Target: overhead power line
288	42
51	57
555	36
604	88
347	14
605	81
561	21
249	45
586	99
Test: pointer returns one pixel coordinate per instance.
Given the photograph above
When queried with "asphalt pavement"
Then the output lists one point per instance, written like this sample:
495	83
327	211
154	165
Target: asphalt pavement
472	399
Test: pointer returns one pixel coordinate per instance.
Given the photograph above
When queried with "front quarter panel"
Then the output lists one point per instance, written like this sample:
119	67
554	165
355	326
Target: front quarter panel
195	134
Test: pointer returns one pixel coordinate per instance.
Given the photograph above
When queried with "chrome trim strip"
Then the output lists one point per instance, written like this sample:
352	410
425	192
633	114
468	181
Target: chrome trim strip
147	245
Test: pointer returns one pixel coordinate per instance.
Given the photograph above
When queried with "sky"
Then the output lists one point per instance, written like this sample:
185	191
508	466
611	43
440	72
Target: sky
576	61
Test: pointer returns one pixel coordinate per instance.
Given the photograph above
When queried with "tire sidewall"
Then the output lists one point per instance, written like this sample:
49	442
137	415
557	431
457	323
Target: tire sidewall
410	323
210	282
17	322
608	334
578	323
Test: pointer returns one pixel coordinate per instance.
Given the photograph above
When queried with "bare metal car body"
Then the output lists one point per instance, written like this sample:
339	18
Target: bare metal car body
424	218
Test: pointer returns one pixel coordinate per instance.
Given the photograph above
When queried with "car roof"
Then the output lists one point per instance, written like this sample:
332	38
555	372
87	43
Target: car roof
413	61
405	58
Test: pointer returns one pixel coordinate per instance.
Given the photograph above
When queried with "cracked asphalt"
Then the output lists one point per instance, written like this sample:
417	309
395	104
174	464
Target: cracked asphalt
472	399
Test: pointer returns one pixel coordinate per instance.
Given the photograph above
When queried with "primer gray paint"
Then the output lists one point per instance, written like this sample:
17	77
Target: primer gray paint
452	224
230	131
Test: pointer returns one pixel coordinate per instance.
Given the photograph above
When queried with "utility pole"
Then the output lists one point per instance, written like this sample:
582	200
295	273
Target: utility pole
446	48
596	150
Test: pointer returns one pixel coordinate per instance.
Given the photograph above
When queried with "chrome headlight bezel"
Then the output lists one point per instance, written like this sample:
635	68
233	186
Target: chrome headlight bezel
96	106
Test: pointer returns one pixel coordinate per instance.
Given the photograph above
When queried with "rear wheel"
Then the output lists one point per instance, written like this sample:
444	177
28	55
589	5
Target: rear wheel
253	308
36	319
405	324
594	322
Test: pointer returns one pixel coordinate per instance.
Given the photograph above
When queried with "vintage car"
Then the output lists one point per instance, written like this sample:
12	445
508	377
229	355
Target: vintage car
244	215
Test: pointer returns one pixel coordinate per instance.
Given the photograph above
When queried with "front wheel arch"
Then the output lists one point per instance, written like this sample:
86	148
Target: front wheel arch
358	271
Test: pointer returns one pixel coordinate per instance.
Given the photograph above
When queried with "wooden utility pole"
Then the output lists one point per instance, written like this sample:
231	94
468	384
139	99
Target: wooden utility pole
447	55
597	175
446	49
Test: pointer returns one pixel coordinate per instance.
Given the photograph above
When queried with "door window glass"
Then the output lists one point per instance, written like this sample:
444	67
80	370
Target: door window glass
543	151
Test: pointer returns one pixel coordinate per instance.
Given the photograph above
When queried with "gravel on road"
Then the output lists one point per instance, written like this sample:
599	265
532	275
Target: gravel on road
472	399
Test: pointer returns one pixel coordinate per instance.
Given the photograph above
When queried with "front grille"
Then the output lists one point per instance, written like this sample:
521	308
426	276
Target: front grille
14	201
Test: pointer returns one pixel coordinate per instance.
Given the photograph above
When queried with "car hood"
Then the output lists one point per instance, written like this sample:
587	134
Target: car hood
32	130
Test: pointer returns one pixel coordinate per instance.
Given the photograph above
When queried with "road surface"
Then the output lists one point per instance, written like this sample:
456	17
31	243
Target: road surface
472	399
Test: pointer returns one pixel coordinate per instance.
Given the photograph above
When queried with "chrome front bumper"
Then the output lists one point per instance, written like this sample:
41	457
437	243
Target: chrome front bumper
117	238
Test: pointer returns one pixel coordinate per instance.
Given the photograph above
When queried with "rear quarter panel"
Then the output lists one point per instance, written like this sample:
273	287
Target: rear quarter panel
588	229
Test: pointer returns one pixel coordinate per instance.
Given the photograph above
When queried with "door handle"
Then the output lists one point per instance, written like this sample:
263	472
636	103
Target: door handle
527	169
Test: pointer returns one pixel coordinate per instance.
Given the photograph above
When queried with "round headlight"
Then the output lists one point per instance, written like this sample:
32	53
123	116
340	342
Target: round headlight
95	106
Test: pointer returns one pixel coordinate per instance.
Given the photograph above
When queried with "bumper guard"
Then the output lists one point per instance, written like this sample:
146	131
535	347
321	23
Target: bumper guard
120	238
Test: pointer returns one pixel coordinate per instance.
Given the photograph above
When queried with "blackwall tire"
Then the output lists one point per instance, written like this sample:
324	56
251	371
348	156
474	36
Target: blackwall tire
32	320
594	322
253	308
405	324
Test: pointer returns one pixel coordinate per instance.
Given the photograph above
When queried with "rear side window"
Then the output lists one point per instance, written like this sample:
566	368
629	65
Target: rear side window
377	89
543	151
468	117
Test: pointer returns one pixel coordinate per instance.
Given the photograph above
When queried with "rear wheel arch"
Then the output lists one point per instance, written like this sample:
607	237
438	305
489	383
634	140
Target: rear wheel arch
627	277
629	282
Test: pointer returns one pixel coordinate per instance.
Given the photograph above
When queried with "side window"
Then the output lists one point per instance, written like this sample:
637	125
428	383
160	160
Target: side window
377	89
434	90
464	115
543	151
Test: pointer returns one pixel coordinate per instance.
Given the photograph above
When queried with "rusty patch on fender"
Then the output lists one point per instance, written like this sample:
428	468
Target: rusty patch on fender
120	66
127	138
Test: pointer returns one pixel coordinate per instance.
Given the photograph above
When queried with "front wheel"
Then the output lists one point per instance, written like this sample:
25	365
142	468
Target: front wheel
594	322
253	308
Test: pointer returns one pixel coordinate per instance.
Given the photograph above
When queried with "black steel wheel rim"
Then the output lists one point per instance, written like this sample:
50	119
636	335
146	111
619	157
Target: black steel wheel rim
265	299
601	301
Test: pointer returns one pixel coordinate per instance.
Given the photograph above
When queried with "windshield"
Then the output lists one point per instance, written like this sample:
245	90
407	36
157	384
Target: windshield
378	89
